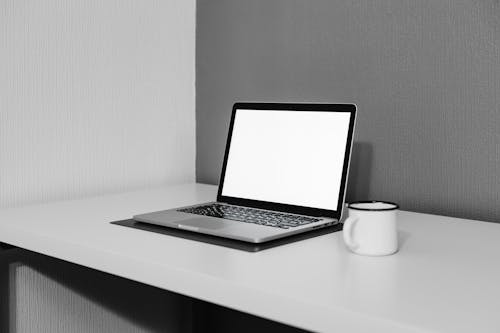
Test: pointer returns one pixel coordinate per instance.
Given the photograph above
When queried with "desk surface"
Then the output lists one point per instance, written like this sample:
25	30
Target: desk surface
445	277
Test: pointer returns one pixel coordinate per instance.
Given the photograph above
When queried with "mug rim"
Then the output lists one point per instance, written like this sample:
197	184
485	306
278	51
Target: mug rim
396	206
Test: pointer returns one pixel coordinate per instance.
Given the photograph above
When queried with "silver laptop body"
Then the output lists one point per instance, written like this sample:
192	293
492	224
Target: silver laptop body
284	172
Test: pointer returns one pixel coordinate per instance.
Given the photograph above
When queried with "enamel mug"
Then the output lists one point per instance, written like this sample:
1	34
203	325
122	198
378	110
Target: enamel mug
371	228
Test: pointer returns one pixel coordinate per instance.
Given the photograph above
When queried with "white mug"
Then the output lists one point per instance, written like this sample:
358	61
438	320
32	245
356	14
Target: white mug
371	228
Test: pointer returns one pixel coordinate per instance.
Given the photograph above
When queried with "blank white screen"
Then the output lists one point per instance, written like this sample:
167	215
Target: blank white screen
289	157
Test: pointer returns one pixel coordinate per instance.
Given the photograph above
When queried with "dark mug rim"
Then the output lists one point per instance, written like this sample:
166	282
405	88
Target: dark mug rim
396	206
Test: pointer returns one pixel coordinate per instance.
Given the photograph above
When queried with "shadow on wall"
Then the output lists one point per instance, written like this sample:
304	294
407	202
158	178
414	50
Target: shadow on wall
358	184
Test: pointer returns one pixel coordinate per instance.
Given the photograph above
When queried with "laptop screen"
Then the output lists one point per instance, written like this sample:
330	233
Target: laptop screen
287	157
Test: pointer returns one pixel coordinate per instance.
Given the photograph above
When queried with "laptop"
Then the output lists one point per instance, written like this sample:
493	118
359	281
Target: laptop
284	172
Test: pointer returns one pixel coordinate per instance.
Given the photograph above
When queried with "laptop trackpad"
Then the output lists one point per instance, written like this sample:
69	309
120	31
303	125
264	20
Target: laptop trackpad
201	222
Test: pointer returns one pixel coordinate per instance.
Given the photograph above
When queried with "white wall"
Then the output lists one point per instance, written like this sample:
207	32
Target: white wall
95	96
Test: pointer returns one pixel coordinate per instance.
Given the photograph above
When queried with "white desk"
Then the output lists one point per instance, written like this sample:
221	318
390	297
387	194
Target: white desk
446	276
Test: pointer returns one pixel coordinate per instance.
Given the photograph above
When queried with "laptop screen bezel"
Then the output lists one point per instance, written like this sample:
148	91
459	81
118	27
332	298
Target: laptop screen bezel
347	108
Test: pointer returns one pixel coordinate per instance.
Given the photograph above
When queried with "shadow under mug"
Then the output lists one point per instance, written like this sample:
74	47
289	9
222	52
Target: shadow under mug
370	228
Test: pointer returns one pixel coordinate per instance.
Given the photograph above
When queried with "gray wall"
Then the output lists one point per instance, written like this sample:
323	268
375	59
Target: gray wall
424	74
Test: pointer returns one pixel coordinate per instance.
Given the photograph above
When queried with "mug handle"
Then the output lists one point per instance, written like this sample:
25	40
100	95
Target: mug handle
347	232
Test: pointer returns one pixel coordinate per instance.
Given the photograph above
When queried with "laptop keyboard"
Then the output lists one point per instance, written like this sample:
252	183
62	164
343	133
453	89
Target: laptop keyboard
250	215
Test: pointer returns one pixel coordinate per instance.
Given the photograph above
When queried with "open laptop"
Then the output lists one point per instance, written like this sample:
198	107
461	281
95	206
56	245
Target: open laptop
284	172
